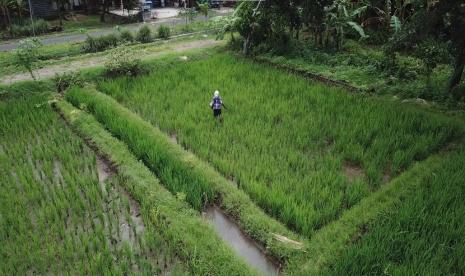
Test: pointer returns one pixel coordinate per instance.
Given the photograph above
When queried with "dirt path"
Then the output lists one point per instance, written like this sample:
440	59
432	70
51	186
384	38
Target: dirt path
50	71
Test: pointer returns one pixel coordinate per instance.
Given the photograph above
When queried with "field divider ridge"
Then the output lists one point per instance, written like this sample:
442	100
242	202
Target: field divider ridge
327	243
191	236
188	176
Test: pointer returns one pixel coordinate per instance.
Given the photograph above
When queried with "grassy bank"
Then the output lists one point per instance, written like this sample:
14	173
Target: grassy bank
190	236
303	152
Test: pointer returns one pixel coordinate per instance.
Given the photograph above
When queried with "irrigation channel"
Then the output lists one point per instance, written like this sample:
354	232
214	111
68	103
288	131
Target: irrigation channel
245	247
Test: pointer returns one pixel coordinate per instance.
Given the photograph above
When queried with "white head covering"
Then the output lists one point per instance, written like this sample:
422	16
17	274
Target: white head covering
217	93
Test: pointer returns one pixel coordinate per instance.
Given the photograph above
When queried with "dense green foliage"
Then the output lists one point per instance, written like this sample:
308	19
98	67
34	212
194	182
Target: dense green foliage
101	43
164	32
424	235
367	69
56	216
144	34
27	54
38	27
123	62
186	233
65	80
273	136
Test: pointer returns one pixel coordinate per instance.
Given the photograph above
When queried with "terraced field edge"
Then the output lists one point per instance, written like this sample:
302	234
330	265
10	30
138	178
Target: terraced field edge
194	240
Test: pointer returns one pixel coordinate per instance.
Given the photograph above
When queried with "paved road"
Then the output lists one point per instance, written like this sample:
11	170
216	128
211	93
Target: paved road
57	39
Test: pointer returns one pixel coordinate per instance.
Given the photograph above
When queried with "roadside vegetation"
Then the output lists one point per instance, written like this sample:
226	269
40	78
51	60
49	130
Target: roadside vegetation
97	46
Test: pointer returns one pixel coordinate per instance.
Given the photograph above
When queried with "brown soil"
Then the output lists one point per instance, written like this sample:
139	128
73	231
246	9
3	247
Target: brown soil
352	171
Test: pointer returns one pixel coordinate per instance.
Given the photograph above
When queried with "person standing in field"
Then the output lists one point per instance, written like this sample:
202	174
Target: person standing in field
217	104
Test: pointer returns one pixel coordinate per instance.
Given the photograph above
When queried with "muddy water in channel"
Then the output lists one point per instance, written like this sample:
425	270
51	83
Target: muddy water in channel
241	244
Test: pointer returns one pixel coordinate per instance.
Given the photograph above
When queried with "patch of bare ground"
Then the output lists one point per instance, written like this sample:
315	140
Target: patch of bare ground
90	62
362	231
174	138
353	171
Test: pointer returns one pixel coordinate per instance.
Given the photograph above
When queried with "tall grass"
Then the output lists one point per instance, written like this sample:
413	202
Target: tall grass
55	217
285	141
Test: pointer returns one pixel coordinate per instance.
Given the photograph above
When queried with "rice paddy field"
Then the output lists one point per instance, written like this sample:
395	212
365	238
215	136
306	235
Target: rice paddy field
62	210
303	152
117	177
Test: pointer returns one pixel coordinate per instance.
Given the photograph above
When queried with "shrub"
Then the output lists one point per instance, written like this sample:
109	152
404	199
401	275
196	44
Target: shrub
66	80
144	35
40	27
126	35
122	62
164	32
27	54
203	8
97	44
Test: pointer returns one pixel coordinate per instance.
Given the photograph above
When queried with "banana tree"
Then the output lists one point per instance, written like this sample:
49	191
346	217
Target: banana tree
340	17
389	15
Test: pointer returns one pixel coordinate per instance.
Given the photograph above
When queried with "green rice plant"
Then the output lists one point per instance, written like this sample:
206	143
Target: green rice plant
186	233
182	172
285	141
126	35
196	191
54	219
422	234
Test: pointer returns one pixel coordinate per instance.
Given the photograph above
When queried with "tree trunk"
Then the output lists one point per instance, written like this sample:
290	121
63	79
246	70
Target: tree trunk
5	21
60	15
102	15
388	14
246	47
8	19
459	65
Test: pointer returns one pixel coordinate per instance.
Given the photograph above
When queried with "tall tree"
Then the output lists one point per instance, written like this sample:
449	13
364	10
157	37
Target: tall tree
443	20
5	7
313	16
